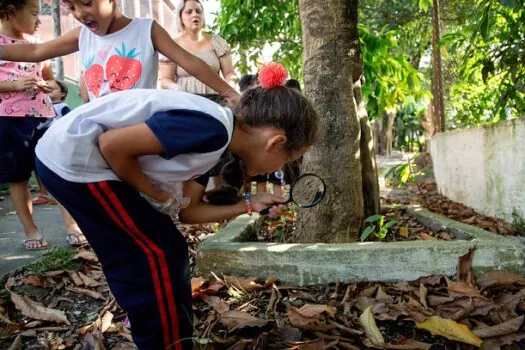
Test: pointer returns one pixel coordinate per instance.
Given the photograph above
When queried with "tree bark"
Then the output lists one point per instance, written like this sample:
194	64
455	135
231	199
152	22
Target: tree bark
438	107
57	28
329	39
389	134
371	199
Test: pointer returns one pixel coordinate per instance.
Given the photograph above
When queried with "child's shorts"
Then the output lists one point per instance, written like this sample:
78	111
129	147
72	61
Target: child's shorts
18	139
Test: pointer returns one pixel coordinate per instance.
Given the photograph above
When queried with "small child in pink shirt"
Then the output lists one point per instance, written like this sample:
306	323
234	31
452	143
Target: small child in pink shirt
24	109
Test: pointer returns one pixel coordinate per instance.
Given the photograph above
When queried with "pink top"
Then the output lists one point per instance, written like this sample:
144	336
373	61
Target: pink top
22	103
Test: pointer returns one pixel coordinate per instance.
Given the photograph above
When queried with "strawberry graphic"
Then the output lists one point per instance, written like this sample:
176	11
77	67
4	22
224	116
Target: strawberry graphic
123	70
93	76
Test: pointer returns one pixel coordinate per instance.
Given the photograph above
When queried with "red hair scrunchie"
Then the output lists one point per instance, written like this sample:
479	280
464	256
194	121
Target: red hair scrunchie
272	75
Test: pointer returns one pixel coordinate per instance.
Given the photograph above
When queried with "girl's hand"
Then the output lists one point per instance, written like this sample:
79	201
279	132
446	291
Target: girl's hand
25	83
166	203
44	86
265	200
231	96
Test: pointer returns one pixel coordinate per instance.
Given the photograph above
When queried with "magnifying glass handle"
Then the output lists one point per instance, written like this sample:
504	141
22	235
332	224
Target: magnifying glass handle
265	211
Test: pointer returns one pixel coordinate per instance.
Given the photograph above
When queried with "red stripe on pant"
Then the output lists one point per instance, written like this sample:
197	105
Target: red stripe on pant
172	309
130	228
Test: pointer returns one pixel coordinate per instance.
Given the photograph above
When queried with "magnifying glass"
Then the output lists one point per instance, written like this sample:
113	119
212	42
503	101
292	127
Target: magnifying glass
306	191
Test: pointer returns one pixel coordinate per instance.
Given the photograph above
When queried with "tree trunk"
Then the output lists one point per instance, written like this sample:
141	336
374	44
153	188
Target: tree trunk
438	107
330	58
371	199
391	116
427	122
57	28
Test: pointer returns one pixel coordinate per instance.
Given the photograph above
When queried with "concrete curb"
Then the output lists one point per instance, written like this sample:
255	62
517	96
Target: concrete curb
308	264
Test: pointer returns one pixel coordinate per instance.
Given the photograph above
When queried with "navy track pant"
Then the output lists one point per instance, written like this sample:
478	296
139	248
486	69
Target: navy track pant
142	253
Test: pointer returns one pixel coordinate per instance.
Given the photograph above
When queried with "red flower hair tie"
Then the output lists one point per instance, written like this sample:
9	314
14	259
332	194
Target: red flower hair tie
272	75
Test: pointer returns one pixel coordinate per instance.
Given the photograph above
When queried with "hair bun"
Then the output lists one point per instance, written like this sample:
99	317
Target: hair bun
272	75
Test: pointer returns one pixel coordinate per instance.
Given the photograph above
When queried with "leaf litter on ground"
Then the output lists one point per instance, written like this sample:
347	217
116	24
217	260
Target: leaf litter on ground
433	312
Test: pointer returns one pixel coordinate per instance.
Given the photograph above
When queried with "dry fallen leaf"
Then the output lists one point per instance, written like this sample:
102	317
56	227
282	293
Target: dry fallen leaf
86	255
88	281
36	310
234	318
76	278
196	283
423	295
367	321
311	317
6	319
449	329
105	321
464	266
403	231
249	285
34	281
216	302
88	292
462	289
404	345
496	343
500	278
310	310
500	329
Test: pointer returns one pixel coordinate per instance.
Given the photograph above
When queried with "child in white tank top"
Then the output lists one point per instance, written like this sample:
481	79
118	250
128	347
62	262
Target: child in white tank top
118	53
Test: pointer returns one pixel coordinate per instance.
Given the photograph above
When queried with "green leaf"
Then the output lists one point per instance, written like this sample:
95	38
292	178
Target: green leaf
366	232
389	224
373	218
424	5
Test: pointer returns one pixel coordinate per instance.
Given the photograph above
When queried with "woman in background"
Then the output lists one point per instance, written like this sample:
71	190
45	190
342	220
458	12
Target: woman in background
211	48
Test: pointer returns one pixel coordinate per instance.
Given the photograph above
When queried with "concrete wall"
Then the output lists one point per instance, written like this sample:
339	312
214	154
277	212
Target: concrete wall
483	168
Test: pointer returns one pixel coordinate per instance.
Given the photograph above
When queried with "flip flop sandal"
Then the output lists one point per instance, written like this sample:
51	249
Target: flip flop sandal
74	241
40	200
39	240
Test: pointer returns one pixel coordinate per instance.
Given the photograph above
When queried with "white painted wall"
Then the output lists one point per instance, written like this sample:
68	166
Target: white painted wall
483	168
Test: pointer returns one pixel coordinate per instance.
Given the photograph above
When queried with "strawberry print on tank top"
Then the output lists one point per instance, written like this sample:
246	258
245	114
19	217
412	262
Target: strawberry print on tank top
119	61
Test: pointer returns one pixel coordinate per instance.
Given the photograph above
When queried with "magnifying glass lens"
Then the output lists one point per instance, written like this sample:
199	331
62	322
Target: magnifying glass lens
307	191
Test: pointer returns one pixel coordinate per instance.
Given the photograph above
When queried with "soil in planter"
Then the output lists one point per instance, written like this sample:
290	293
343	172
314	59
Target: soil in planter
407	228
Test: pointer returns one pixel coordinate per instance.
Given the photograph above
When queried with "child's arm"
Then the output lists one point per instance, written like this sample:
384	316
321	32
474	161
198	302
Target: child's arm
21	84
167	75
61	46
227	69
121	150
82	89
193	65
199	212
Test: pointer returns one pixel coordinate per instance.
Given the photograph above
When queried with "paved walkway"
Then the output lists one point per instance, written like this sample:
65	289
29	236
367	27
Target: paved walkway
12	253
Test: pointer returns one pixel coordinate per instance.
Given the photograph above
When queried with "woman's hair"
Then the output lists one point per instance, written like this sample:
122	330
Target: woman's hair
179	7
4	4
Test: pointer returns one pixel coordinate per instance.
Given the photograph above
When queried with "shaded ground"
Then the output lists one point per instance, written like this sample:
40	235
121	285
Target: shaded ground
12	253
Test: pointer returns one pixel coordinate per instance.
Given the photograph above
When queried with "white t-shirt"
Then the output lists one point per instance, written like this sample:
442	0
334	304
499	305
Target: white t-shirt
70	147
119	61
